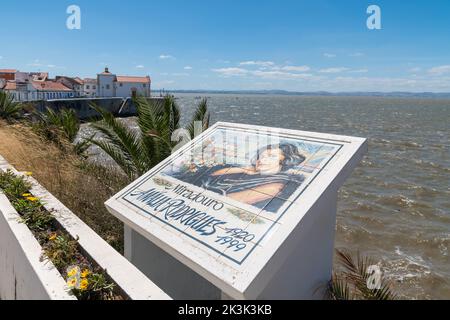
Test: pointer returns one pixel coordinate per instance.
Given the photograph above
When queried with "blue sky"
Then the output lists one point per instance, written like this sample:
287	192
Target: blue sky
198	44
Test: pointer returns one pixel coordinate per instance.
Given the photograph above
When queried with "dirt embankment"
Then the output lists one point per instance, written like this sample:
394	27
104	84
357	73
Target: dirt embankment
81	187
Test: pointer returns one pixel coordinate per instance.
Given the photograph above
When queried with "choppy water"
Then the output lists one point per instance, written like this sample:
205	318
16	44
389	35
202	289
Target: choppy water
396	205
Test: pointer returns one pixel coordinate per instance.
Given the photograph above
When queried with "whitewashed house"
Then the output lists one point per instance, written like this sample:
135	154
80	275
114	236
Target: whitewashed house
17	84
49	90
111	85
89	88
76	84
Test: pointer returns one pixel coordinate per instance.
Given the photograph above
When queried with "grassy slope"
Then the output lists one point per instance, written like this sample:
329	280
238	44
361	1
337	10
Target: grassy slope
82	188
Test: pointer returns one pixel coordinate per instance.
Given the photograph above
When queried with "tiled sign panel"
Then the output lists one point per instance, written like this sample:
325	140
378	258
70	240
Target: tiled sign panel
229	190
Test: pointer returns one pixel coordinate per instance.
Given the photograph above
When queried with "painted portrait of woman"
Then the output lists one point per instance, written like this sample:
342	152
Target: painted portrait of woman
265	178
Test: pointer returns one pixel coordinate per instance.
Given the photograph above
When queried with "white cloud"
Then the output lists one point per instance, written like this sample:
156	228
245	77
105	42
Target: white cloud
440	70
384	84
51	66
264	74
140	66
356	54
416	69
166	82
296	68
280	75
229	72
329	55
333	70
180	74
1	57
188	68
166	57
257	63
35	63
360	71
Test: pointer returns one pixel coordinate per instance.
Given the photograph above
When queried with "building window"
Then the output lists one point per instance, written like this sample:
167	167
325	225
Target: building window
121	84
94	87
144	85
87	87
107	87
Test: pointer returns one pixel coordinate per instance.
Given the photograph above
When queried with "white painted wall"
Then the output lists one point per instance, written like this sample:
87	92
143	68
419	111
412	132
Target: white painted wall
106	85
24	276
90	89
124	89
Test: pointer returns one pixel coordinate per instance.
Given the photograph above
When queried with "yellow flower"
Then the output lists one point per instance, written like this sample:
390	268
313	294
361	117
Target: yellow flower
52	236
33	199
84	284
85	273
72	282
73	272
26	195
28	173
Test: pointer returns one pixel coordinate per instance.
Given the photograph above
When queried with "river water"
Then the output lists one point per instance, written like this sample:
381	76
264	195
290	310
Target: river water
396	205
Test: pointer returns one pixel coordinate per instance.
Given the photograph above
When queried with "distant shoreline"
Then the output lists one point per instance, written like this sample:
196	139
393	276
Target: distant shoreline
442	95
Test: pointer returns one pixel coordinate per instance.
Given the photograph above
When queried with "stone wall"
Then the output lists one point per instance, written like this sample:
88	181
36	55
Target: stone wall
120	107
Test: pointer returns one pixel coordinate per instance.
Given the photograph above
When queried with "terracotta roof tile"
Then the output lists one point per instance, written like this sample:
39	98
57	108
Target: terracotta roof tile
10	85
133	79
8	71
78	80
49	86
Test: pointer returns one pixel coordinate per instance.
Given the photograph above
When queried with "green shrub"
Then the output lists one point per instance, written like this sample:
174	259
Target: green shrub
65	121
9	109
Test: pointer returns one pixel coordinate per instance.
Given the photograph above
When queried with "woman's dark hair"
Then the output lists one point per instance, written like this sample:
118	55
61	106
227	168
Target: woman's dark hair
292	156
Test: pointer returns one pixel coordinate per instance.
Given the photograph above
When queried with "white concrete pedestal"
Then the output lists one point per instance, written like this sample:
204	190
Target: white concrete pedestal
177	280
303	275
196	243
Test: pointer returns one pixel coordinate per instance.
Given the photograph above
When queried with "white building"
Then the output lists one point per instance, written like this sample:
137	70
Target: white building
16	83
31	86
111	85
75	84
89	88
48	90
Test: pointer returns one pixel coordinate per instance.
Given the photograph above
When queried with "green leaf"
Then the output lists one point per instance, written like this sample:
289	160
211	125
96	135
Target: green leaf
9	109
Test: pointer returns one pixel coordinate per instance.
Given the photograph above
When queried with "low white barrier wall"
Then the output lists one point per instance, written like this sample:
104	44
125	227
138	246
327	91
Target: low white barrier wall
24	276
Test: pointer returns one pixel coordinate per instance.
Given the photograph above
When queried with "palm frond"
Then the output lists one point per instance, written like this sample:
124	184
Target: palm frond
157	121
338	289
82	146
123	138
201	114
137	152
357	274
66	120
9	109
70	123
117	155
